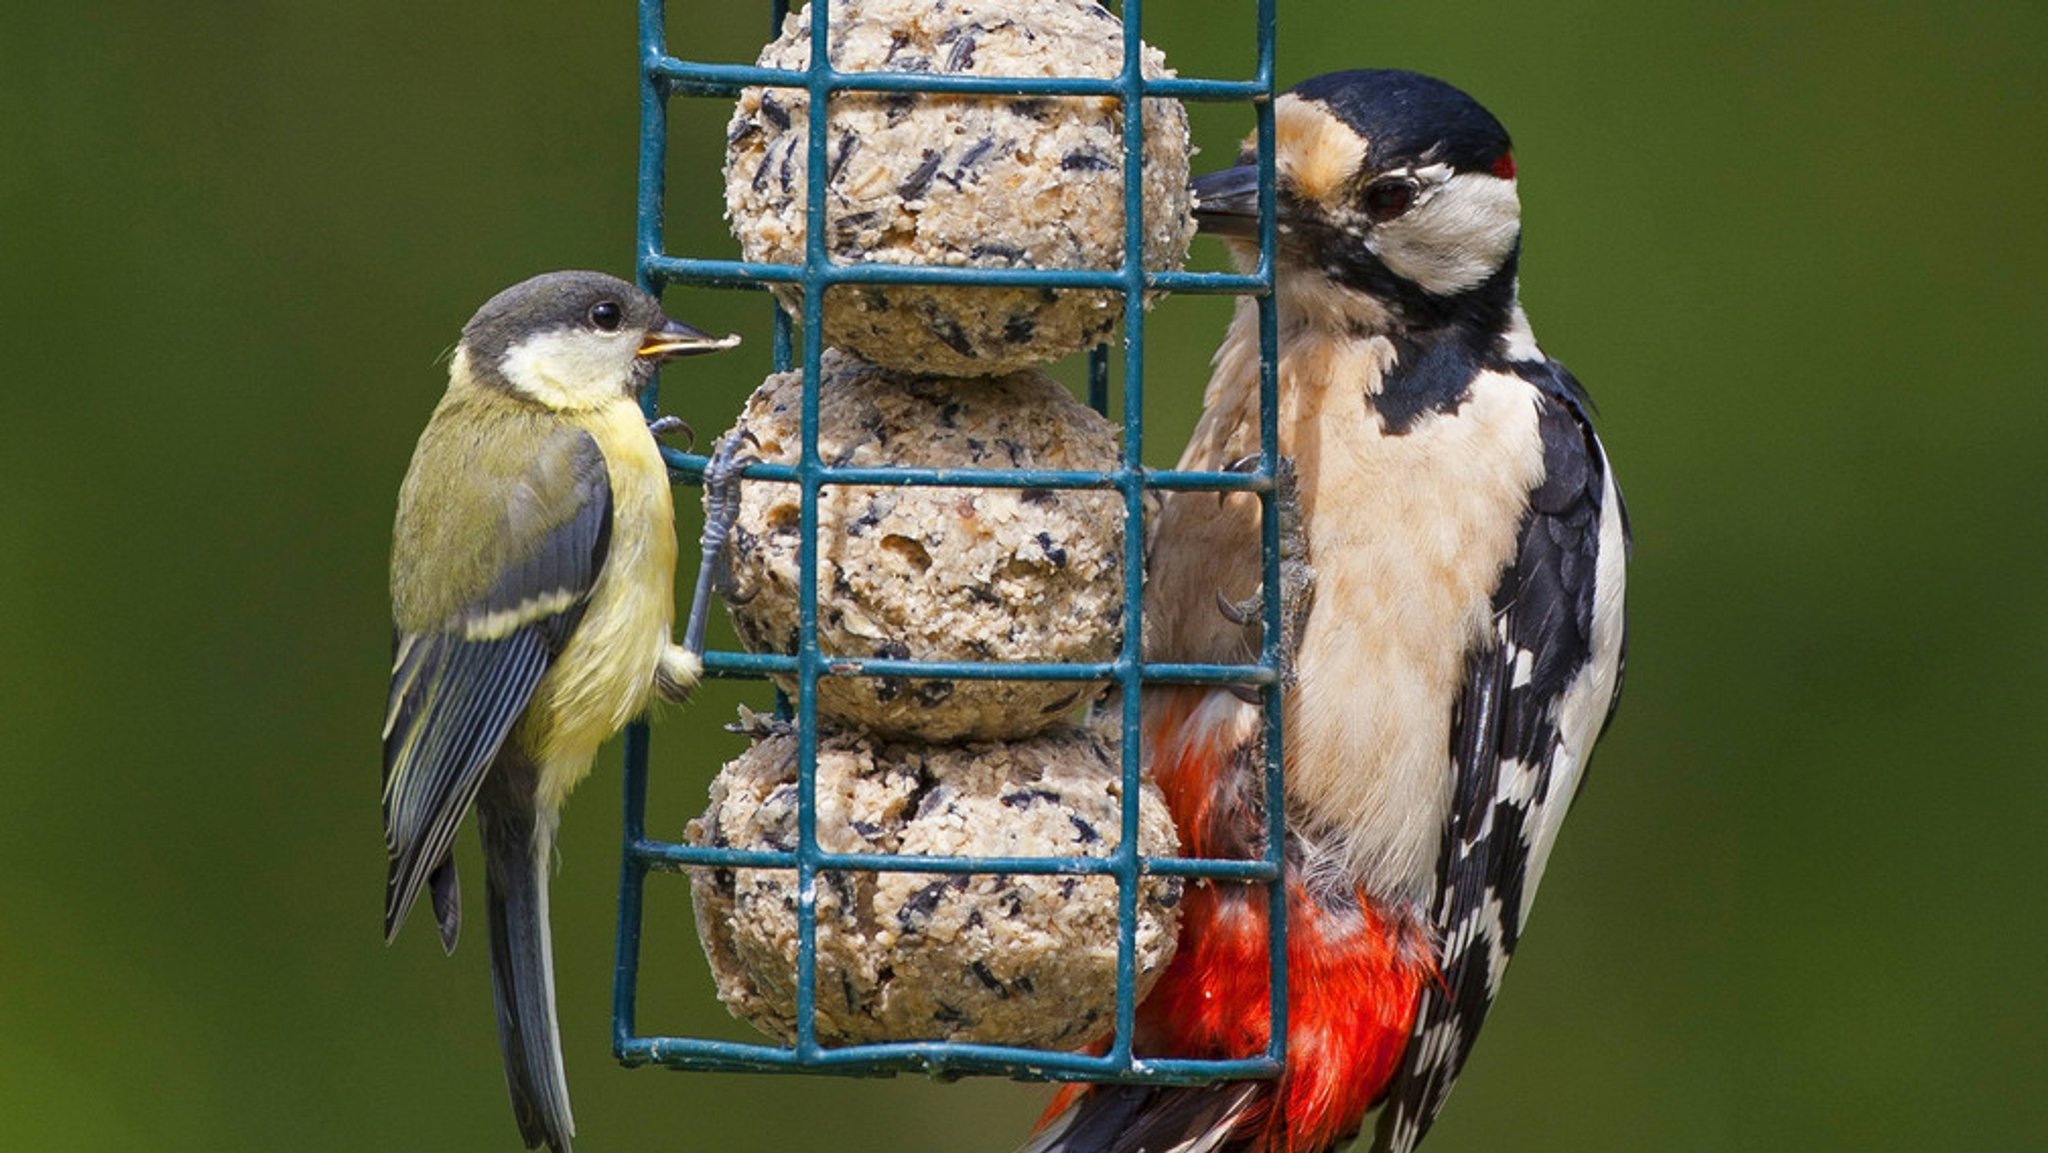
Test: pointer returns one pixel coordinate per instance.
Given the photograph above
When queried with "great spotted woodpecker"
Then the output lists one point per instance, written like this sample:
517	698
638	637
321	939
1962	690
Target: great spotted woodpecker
1457	640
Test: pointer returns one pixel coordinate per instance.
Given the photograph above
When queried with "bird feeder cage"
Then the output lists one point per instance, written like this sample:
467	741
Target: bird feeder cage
652	857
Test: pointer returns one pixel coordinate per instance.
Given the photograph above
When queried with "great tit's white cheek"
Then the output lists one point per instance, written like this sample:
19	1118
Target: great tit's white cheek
571	368
1458	235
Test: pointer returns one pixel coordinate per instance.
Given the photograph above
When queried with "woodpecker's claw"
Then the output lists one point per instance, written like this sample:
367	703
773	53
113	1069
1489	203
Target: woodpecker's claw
721	512
1241	464
1237	612
1297	578
662	426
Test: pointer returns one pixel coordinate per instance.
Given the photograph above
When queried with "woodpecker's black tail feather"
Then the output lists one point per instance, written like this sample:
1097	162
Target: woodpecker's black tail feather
517	845
1148	1119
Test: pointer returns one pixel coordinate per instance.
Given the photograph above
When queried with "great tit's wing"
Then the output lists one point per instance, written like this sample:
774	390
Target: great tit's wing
1535	699
480	612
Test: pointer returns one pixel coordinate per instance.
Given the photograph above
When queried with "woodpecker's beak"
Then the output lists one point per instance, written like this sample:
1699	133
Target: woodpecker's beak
674	338
1227	202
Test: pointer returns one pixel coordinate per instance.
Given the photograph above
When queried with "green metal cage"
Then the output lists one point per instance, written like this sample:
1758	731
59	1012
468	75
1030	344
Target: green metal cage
663	77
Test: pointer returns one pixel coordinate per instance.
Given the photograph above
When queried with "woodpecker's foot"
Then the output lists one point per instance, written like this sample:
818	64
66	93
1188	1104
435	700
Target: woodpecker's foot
1297	578
721	512
662	426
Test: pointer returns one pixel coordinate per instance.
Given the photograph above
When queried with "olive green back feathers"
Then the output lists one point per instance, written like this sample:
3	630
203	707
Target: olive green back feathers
498	544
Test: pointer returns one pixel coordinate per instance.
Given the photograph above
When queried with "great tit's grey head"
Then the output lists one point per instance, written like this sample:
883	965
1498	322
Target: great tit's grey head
1390	184
575	340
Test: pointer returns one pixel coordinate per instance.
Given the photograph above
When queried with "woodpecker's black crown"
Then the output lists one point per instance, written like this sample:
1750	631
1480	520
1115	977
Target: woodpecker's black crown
1407	117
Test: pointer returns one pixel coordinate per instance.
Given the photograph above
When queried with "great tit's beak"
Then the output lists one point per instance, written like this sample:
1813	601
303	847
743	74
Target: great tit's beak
1227	202
674	338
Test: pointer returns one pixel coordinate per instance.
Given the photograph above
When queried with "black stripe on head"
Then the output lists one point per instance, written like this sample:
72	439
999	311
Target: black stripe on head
552	300
1408	118
1482	309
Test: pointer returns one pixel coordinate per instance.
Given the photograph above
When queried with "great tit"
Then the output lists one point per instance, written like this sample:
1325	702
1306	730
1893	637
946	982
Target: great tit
532	581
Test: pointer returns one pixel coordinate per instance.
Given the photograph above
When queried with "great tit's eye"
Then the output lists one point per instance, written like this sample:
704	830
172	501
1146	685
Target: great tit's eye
1388	198
606	315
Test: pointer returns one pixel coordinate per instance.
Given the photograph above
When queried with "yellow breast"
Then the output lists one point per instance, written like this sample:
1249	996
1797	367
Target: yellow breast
604	677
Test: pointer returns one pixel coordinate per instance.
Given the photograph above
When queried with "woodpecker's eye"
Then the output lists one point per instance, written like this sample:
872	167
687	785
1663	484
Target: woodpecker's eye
606	315
1386	199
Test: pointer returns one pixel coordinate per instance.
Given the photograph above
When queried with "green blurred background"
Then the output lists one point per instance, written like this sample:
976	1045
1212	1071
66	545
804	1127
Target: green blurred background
1796	252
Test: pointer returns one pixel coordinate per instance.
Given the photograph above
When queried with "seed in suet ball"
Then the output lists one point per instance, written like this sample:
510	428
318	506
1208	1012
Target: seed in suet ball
994	182
931	573
1003	958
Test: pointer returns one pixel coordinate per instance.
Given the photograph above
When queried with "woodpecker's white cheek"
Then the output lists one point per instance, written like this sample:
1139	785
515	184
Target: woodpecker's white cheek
1457	237
571	368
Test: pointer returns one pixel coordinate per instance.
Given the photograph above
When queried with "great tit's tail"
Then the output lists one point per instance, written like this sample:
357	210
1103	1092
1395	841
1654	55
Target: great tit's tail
517	844
446	888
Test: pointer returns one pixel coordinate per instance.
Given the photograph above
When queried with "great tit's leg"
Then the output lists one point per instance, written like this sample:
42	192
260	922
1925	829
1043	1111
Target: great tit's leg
661	426
721	510
682	665
722	484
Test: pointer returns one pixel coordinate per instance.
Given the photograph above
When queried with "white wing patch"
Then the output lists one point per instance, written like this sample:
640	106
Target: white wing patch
1584	708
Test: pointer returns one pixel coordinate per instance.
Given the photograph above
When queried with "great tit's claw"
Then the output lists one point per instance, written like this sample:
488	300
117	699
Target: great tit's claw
662	426
722	488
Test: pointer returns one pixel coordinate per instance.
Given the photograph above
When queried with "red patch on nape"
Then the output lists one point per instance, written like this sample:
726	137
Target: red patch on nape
1505	166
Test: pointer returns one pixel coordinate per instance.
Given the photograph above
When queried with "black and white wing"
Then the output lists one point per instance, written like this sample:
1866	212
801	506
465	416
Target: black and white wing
466	662
1534	702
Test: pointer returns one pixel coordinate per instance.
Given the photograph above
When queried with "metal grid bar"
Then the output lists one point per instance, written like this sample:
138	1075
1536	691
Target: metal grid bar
748	274
664	76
